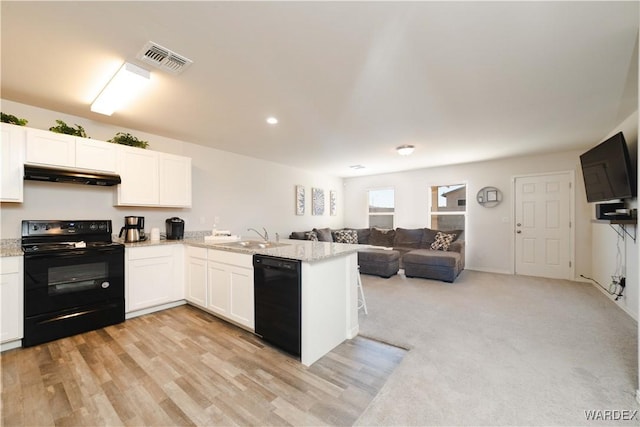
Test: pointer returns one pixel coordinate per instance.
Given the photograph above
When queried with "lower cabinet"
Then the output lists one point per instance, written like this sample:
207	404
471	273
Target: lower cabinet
196	269
11	299
227	287
154	276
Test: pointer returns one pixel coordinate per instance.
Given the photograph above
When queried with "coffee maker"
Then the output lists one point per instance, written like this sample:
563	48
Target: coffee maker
133	229
175	228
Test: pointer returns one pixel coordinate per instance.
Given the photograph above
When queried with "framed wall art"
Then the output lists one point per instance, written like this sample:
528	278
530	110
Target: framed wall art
332	203
300	200
317	201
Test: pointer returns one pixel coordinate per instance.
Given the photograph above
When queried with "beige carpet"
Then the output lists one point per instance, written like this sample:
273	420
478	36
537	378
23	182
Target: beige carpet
495	349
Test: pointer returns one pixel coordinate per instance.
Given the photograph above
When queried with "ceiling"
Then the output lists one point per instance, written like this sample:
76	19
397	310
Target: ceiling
348	81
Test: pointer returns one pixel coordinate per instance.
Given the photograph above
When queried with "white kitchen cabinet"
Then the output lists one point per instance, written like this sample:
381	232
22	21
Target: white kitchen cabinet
175	180
55	149
230	286
151	178
138	170
96	155
50	148
12	162
242	306
196	280
219	282
11	299
154	276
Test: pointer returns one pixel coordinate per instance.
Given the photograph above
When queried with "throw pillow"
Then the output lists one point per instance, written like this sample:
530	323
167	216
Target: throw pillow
429	236
363	235
324	234
442	241
346	236
311	235
298	235
380	237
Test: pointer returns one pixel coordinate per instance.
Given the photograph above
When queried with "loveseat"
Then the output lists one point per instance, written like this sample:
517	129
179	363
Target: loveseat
421	252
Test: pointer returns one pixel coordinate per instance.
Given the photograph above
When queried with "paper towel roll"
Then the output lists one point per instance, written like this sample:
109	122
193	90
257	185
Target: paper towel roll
155	234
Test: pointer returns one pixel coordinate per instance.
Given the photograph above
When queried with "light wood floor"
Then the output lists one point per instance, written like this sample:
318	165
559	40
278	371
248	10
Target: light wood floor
185	367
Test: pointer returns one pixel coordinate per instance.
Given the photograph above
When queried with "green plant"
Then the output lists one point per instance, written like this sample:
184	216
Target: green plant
68	130
8	118
128	139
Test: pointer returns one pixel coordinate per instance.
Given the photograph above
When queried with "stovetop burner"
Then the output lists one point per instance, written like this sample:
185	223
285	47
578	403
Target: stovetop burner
52	247
54	235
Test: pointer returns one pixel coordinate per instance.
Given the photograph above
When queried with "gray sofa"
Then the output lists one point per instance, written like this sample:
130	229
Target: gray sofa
411	250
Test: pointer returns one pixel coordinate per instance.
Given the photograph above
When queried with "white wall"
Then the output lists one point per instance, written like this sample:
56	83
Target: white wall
606	242
242	191
488	234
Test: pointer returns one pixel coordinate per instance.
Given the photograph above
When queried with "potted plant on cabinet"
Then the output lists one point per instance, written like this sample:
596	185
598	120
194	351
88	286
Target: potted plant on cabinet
128	139
68	130
13	120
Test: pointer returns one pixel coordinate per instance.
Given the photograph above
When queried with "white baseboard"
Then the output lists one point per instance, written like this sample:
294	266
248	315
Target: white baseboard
620	306
638	395
10	345
489	270
160	307
353	332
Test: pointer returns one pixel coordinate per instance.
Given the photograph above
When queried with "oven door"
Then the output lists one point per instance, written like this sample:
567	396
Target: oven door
68	279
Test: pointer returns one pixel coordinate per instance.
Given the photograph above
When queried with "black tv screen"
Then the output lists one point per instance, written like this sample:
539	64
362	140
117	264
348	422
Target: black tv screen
607	172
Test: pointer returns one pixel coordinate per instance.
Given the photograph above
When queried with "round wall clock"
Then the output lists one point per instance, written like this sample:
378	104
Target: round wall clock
489	197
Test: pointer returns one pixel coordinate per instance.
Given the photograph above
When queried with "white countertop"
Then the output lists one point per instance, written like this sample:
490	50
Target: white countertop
303	250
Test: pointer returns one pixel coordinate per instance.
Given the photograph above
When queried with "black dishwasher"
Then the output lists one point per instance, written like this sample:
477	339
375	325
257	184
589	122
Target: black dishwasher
277	293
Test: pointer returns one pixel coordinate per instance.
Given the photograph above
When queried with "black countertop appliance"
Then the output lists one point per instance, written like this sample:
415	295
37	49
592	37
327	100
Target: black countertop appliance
175	228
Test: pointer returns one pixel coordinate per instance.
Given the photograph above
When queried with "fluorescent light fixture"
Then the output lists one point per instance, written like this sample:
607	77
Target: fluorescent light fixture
405	150
125	85
272	120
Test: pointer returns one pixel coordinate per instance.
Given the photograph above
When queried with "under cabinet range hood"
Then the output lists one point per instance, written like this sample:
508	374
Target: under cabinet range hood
41	173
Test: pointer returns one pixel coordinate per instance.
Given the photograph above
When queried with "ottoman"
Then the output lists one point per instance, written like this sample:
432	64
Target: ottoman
431	264
379	262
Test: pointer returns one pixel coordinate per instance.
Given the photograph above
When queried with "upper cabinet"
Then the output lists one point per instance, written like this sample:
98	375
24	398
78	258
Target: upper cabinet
175	180
11	161
138	170
49	148
152	178
96	155
55	149
149	178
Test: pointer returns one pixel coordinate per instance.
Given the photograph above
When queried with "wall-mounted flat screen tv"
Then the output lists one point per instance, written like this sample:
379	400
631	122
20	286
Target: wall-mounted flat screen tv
607	172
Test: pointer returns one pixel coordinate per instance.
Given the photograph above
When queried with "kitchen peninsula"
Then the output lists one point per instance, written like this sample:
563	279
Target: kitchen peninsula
219	279
329	295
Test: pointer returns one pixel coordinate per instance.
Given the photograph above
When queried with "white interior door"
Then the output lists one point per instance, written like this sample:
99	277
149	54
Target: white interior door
543	221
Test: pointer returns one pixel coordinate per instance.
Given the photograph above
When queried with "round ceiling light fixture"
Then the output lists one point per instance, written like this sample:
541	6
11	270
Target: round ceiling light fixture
272	120
405	150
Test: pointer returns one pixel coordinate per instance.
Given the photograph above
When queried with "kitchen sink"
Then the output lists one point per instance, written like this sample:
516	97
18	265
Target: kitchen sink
253	244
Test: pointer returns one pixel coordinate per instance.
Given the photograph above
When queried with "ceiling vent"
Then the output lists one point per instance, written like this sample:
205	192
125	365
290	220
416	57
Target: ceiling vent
161	57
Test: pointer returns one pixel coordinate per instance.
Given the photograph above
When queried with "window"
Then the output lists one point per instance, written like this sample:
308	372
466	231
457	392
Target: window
381	207
448	207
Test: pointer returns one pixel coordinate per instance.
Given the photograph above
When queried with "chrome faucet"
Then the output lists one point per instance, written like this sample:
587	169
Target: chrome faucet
266	235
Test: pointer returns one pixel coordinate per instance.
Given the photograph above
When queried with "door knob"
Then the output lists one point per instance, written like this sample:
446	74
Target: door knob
519	225
519	231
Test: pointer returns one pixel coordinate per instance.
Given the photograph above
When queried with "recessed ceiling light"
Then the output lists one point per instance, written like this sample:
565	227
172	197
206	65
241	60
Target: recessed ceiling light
272	120
356	167
405	150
